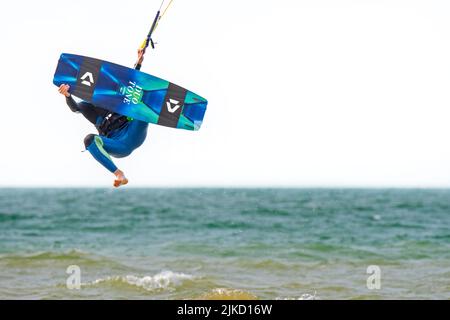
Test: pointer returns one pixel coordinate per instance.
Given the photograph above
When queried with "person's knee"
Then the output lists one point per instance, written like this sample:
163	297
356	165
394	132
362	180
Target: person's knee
123	154
88	140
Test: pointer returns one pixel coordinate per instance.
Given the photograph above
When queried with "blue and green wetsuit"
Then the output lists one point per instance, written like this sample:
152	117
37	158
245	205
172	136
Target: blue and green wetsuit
118	135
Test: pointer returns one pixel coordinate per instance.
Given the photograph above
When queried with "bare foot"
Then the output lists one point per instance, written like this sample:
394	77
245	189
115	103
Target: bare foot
120	180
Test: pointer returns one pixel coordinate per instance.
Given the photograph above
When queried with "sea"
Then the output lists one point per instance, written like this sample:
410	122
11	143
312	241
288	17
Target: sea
224	243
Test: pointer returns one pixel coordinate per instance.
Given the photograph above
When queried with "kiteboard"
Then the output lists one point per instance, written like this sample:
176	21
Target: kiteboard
130	92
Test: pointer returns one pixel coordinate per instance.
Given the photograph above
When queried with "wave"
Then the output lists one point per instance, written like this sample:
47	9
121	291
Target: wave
226	294
46	255
7	217
161	281
57	258
236	294
305	296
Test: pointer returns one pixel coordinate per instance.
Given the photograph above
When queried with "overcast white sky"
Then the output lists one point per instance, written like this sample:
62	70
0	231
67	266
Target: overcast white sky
301	92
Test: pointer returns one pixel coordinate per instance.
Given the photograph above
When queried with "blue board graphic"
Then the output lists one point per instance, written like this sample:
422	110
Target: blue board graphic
130	92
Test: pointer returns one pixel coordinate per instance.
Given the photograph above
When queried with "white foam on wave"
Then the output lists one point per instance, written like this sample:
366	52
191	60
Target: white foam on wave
226	294
162	280
305	296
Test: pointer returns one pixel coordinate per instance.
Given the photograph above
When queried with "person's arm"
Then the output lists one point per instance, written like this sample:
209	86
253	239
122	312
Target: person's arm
73	105
140	59
64	90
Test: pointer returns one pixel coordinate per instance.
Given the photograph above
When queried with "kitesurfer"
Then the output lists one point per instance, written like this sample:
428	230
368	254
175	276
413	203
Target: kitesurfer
117	136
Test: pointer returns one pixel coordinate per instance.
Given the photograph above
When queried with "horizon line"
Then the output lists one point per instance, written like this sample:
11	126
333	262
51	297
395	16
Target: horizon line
367	187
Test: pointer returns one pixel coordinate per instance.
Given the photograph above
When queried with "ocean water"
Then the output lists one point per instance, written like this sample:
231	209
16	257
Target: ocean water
225	243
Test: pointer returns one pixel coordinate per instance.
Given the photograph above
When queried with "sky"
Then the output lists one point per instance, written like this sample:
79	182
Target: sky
302	93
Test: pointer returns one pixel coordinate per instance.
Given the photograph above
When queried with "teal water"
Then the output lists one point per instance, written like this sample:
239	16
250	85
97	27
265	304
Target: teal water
224	243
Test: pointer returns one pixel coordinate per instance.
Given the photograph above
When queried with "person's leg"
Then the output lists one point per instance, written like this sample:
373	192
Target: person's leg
101	148
91	112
